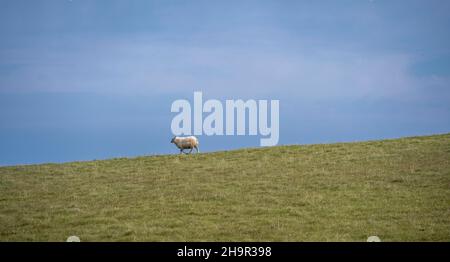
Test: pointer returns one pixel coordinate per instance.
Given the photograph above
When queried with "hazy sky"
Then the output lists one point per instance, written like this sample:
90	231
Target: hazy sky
93	79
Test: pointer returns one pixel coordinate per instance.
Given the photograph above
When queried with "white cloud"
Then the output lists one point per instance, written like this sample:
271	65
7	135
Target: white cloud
149	66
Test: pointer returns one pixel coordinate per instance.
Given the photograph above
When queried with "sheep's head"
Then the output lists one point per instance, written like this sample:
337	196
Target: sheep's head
173	140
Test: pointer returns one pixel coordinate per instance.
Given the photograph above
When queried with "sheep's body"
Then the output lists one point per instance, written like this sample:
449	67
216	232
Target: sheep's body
183	143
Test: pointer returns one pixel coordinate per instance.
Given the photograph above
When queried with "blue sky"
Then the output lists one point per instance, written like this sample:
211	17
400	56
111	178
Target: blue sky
83	80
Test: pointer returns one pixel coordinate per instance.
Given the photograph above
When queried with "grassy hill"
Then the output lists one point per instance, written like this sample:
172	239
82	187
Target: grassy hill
397	189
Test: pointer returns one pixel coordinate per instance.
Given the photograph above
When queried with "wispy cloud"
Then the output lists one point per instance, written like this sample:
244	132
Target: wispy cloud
150	66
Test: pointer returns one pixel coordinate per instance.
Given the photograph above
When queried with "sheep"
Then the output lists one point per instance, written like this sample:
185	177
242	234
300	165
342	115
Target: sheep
183	143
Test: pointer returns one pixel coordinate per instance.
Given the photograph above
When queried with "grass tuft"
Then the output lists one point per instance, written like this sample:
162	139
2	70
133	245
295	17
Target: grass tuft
397	189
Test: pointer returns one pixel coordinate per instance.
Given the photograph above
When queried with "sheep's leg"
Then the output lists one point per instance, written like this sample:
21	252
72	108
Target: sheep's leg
181	151
191	150
196	149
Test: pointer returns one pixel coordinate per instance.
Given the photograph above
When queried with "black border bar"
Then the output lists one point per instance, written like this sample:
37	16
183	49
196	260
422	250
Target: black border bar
278	250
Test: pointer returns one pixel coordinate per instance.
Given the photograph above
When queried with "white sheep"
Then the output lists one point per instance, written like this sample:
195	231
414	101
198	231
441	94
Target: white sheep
183	143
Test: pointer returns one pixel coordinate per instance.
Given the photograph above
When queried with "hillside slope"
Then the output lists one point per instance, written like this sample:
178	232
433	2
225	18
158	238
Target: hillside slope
396	189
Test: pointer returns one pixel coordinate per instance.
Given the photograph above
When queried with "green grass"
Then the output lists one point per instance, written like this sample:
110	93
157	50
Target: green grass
397	189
